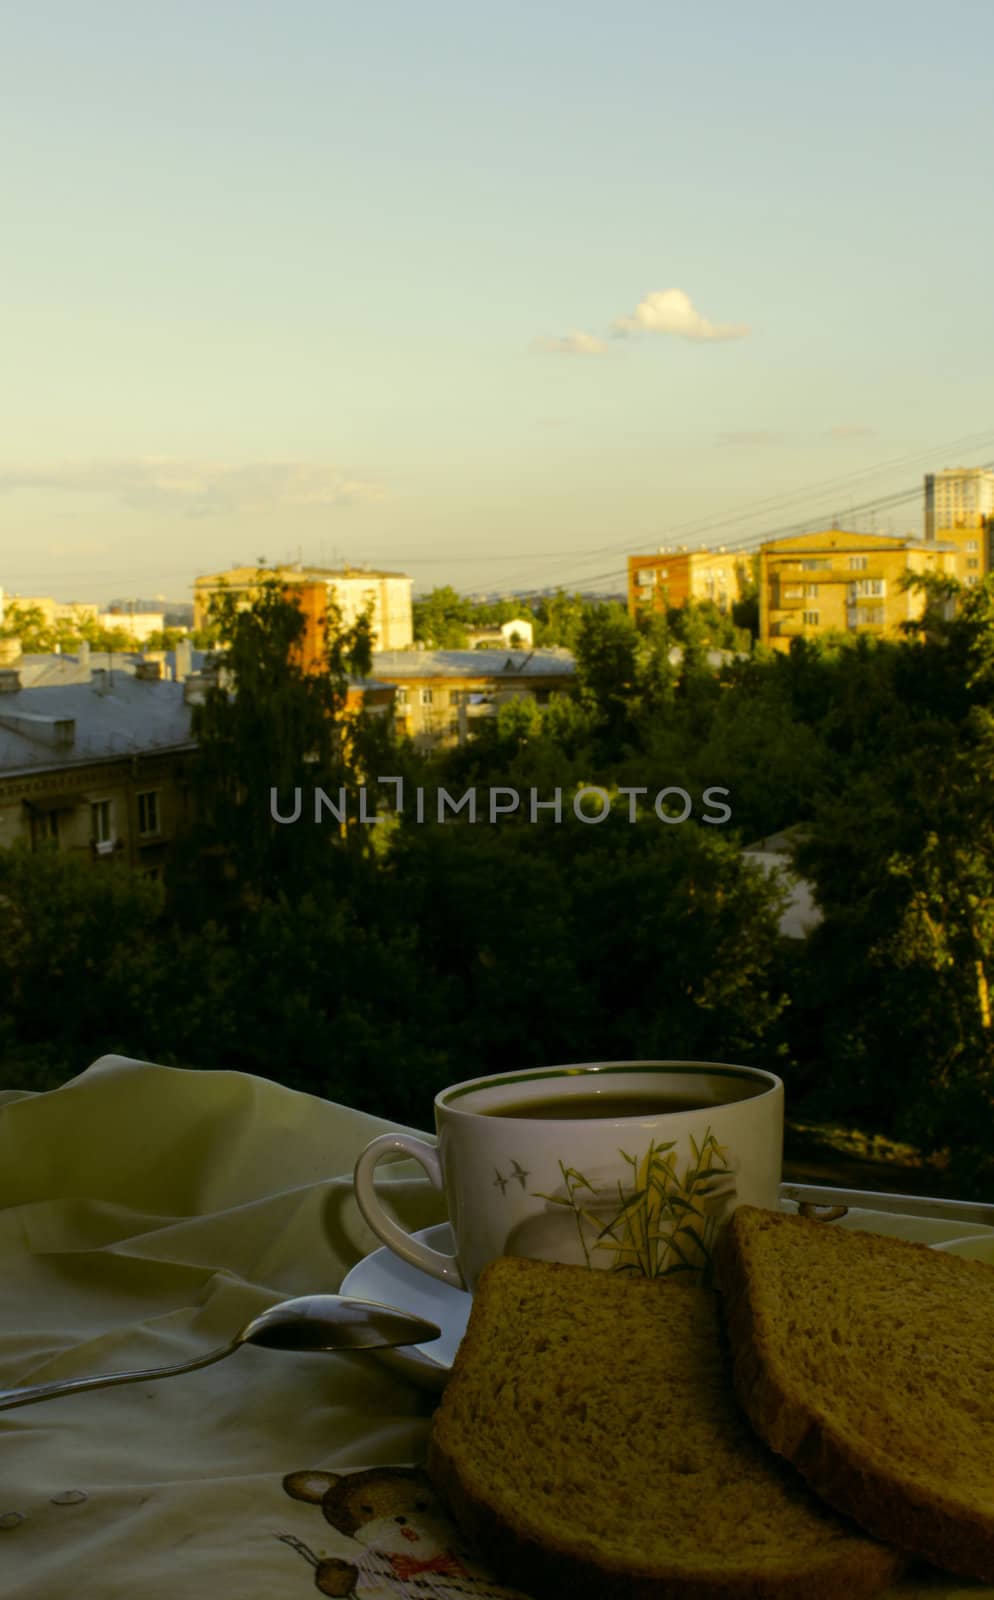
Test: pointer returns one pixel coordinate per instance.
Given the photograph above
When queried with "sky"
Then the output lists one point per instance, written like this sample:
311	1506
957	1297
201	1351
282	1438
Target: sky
490	295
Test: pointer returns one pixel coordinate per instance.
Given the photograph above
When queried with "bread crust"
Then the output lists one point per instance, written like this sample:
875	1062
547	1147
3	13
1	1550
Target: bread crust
880	1500
548	1569
544	1566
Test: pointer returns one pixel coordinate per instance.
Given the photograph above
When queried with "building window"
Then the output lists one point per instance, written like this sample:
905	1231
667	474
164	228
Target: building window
645	576
148	813
810	591
972	561
101	822
426	697
45	830
794	591
811	617
971	580
815	565
858	563
400	697
875	588
872	616
971	544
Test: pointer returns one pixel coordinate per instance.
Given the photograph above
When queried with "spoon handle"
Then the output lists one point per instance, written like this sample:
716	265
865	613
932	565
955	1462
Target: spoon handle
9	1398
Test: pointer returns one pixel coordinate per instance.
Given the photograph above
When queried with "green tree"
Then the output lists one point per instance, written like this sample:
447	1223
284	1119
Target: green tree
87	935
558	618
441	619
165	639
268	735
27	624
607	656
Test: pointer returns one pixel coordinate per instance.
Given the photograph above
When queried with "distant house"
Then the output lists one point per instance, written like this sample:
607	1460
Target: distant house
96	766
518	633
776	855
139	625
351	589
440	694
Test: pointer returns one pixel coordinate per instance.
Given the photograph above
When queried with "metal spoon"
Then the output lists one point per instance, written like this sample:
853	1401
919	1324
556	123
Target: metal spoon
312	1322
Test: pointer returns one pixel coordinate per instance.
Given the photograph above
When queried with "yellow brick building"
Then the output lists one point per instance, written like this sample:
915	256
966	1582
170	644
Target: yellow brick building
848	582
671	577
972	544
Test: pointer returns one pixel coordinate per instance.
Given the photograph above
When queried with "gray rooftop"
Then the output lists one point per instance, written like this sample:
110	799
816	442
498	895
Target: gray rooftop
473	664
49	671
53	726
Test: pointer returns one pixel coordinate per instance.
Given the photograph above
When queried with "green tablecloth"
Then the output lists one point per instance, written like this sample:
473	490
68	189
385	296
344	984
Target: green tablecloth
145	1213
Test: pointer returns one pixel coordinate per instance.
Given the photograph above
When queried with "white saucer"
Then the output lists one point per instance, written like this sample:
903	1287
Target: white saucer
383	1276
976	1247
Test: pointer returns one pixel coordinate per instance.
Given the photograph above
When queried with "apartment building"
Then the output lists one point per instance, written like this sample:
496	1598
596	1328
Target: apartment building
849	582
958	497
671	577
439	695
138	625
96	767
973	550
351	589
74	613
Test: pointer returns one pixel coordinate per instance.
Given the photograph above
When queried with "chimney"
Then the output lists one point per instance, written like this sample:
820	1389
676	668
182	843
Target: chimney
196	686
10	681
84	660
184	659
148	671
100	678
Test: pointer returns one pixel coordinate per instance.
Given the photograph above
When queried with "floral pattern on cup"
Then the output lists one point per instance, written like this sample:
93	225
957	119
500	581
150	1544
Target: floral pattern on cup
662	1222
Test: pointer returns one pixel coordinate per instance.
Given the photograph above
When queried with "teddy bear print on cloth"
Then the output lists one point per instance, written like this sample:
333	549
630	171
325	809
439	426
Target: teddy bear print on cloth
404	1544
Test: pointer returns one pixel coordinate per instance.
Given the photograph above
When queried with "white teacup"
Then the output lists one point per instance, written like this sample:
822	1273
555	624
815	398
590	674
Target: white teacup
632	1166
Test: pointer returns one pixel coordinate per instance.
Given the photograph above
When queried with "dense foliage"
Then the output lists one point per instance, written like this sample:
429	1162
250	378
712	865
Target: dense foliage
375	963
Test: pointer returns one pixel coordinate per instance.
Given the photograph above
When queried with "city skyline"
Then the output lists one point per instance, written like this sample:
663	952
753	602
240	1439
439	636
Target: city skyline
492	301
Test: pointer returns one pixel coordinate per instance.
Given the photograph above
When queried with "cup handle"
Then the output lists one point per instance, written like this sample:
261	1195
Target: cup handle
396	1238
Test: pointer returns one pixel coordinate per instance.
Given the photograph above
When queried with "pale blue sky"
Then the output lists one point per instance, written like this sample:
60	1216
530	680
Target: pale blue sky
279	277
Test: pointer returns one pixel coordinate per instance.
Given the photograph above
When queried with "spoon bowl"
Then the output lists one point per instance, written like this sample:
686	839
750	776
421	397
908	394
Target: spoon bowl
310	1322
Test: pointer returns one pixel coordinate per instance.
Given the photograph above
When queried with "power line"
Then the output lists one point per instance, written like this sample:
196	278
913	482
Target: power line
744	513
752	542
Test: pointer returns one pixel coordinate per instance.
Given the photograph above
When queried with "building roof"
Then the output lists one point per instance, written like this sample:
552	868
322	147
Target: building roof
292	572
841	539
56	726
51	671
516	663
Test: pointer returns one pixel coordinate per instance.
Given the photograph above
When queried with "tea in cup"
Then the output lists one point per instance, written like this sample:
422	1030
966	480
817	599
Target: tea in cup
630	1166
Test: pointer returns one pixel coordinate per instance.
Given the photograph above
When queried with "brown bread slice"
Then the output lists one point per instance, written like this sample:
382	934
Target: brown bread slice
590	1443
868	1362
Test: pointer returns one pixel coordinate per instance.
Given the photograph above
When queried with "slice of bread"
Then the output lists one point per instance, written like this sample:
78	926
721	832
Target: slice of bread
590	1443
868	1362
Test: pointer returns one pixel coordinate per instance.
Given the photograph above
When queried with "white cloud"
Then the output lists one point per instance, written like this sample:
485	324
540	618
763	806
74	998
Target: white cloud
573	344
672	311
196	488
